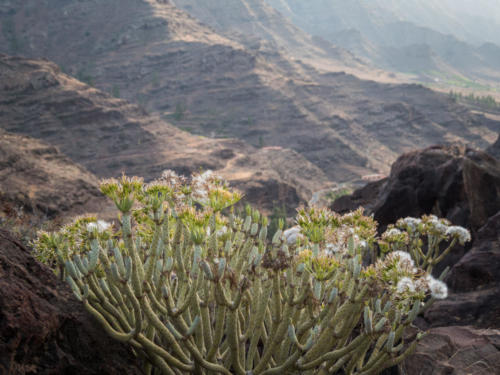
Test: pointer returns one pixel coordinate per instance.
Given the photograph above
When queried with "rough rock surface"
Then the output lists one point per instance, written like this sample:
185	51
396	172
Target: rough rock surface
475	280
44	329
462	185
454	181
456	351
494	149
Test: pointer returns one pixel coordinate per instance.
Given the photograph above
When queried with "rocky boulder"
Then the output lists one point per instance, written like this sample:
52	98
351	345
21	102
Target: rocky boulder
462	185
494	149
456	351
454	181
475	280
44	329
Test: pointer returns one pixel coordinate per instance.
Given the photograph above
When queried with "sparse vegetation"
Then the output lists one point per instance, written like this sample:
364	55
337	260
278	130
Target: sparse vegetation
333	195
277	219
115	91
15	219
85	77
180	112
486	102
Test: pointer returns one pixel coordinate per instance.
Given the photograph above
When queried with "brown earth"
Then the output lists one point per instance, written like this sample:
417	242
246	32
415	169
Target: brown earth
109	136
44	329
154	54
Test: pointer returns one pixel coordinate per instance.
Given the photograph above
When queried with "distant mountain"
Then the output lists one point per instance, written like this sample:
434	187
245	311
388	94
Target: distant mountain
254	21
332	125
430	39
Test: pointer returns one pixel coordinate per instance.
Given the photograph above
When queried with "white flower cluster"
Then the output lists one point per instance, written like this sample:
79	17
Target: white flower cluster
438	225
222	231
171	178
462	234
404	260
99	226
332	248
441	226
411	223
202	184
337	240
392	232
410	282
438	289
405	284
292	234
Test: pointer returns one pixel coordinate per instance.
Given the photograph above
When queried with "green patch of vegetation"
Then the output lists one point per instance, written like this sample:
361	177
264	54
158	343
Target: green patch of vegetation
486	102
277	219
179	112
337	193
457	81
261	142
9	32
85	77
115	91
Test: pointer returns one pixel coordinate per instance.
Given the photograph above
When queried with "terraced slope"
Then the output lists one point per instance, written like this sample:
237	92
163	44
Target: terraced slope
110	136
202	81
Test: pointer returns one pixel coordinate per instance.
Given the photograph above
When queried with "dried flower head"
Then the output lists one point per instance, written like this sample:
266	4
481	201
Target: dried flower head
462	234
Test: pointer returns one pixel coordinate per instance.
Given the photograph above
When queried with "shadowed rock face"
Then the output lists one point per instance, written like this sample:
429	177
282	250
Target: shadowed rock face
456	351
455	182
475	280
462	185
44	329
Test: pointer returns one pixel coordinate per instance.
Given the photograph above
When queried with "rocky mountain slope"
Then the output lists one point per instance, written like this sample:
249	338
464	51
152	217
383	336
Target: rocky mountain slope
109	136
428	39
158	56
35	178
254	22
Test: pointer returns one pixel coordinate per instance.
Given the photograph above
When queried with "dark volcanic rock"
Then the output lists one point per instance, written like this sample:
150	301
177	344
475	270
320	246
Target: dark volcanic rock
455	182
456	351
462	185
494	149
476	282
44	329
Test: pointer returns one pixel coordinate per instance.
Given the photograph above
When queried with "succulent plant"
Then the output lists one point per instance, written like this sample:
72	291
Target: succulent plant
193	287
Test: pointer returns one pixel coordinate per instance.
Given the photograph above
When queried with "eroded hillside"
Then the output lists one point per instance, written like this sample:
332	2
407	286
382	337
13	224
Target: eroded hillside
110	136
158	56
430	41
